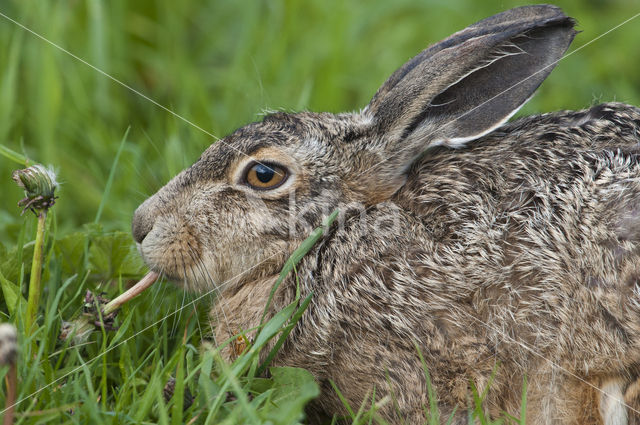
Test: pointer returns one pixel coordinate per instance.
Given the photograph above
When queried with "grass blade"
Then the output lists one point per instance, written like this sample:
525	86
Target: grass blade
112	173
14	156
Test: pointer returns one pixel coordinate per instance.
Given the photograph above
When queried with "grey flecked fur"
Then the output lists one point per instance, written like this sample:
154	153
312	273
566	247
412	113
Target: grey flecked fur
508	247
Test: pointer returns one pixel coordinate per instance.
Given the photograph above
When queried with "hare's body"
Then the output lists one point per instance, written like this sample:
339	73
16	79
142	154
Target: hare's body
511	250
504	267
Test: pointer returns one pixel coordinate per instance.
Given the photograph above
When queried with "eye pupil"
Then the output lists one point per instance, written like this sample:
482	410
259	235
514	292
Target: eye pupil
264	173
264	177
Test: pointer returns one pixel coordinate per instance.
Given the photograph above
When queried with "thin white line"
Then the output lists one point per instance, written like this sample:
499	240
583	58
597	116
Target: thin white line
107	75
114	79
136	334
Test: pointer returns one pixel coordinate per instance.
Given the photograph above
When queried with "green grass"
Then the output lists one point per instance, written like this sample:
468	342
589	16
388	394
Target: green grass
220	65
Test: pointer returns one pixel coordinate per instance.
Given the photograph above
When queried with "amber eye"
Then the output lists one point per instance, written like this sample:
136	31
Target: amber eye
263	176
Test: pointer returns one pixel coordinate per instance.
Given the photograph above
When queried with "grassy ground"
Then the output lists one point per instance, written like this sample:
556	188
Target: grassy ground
218	64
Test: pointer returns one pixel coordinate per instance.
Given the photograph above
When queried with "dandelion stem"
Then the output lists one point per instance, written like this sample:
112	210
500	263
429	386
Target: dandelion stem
132	292
11	379
35	287
82	327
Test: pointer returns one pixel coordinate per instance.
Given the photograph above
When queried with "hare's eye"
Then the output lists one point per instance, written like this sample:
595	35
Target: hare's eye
265	176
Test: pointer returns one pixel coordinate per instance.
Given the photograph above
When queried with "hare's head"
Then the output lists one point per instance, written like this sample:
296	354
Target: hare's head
240	210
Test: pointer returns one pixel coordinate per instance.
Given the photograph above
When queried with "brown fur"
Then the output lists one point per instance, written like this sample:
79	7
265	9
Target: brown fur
513	249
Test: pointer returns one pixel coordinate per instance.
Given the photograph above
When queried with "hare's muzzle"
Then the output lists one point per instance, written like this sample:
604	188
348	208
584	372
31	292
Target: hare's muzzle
142	222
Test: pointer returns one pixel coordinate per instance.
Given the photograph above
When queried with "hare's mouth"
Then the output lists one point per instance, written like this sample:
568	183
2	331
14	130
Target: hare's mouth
175	265
172	249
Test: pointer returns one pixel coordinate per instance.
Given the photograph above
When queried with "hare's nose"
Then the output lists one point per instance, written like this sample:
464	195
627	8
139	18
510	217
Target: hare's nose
142	223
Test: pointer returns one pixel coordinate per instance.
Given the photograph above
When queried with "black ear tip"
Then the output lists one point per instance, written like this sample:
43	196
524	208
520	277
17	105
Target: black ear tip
542	10
534	15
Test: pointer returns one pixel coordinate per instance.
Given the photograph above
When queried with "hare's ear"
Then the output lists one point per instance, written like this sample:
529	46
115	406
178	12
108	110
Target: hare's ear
467	85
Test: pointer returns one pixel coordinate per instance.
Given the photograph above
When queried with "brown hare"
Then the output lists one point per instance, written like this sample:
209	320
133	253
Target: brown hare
511	249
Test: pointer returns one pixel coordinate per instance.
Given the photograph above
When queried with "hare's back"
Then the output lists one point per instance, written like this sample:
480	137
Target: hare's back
540	181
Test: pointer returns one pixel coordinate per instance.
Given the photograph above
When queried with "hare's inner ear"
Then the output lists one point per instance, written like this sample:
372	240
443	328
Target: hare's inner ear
465	86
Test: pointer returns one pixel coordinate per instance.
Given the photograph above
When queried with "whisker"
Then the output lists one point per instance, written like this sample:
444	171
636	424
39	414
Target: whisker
207	277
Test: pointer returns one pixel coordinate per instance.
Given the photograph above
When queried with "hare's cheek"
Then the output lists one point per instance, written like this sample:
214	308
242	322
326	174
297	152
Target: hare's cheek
171	247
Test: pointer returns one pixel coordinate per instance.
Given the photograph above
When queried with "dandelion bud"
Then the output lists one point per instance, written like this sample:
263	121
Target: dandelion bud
39	184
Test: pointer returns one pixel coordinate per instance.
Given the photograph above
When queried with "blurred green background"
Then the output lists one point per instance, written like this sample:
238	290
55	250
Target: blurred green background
221	64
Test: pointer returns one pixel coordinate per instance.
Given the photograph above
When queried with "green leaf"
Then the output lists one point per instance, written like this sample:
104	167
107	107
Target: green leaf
261	385
12	264
178	394
113	254
285	333
11	293
209	390
13	155
70	250
233	381
293	389
297	255
122	330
